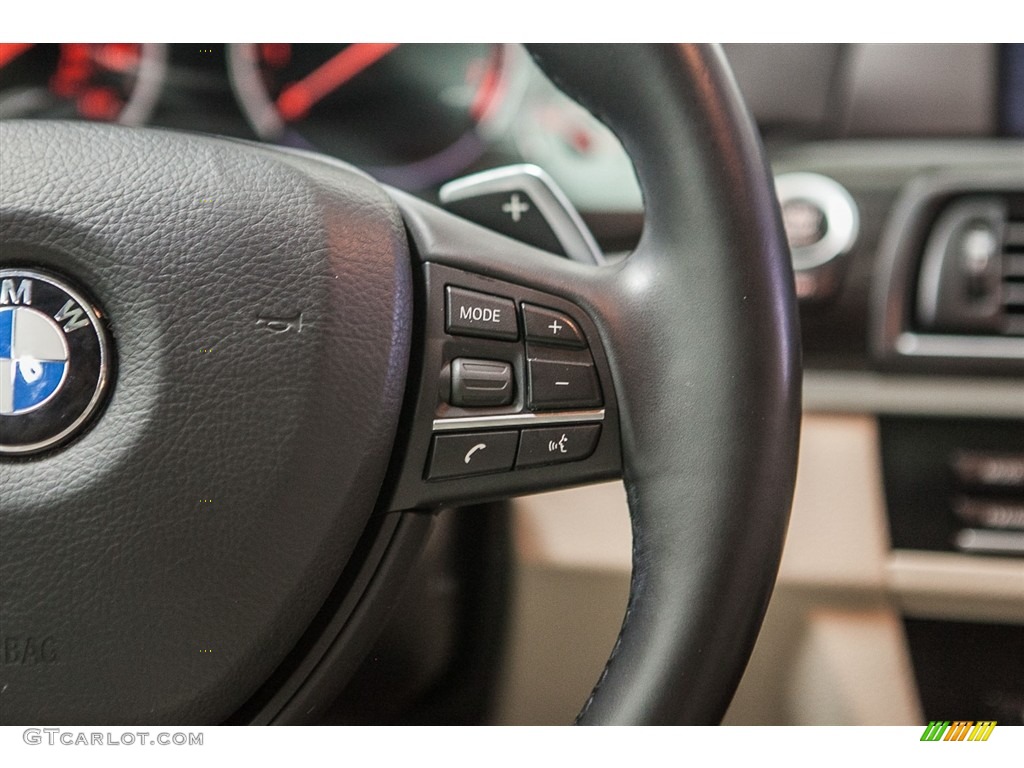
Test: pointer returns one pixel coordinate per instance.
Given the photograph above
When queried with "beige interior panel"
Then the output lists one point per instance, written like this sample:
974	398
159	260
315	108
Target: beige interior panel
940	585
583	528
564	625
838	535
817	665
571	581
832	649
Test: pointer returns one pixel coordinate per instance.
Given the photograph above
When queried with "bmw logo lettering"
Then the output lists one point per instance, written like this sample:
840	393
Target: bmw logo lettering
54	361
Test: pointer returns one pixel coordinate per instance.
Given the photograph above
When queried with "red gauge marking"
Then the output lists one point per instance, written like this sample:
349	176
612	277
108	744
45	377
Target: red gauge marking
295	101
99	104
10	51
488	95
73	69
276	55
118	57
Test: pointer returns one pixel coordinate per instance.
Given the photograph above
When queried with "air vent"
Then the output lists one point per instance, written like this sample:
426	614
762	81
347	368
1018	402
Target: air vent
972	275
948	295
1013	276
955	484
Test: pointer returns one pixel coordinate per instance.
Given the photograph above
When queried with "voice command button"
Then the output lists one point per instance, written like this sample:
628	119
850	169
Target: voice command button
557	445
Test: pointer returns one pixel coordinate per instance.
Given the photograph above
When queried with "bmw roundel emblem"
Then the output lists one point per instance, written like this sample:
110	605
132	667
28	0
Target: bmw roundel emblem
54	361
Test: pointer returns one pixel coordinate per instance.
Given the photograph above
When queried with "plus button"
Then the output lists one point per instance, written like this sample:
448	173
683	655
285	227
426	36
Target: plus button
515	207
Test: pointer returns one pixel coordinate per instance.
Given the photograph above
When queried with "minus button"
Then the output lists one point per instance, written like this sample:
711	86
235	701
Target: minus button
555	384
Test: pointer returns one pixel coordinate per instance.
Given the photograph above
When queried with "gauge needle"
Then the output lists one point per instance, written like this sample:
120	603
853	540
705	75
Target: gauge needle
10	51
296	100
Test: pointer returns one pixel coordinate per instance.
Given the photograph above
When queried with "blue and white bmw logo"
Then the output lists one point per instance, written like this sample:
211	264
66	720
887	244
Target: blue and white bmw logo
33	359
54	361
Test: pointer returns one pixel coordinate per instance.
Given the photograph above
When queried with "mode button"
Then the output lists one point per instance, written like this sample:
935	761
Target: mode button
469	313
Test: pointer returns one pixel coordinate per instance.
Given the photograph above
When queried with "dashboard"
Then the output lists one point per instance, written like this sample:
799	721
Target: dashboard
418	115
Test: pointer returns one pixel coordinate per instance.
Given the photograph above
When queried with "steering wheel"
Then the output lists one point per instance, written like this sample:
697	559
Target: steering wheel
216	528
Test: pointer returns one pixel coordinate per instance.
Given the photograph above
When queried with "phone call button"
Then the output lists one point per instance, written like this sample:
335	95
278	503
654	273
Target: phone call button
472	453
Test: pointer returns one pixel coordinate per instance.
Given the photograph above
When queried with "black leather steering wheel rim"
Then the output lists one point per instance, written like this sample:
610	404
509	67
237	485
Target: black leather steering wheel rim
699	327
706	544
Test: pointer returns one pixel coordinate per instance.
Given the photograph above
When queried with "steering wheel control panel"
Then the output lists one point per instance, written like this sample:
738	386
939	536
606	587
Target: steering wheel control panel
515	394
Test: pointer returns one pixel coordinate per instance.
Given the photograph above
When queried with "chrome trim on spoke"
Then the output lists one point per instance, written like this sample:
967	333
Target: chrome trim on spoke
460	423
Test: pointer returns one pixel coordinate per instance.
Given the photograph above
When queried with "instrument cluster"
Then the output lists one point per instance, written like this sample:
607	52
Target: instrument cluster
413	115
